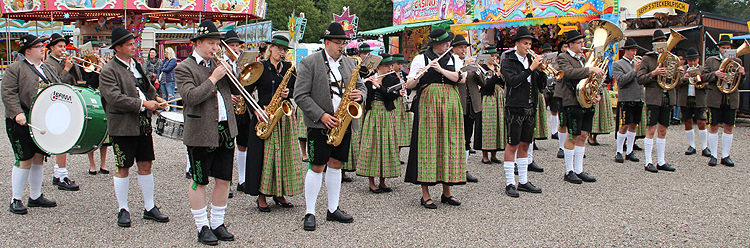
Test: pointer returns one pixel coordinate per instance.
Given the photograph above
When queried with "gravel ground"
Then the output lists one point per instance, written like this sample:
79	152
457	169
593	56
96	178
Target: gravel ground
695	206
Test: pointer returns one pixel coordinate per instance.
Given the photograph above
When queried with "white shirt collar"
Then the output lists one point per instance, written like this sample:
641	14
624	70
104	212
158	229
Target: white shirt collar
197	57
331	58
573	54
37	65
129	64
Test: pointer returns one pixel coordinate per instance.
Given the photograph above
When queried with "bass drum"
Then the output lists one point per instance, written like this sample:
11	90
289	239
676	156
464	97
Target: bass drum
73	118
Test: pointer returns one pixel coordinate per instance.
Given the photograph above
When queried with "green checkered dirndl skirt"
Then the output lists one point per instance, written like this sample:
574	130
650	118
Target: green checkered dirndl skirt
351	165
441	136
282	169
378	148
300	132
403	122
494	134
604	118
540	129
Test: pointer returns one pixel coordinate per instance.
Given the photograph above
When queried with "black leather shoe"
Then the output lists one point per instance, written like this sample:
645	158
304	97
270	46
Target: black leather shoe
571	177
528	187
41	202
713	162
554	136
470	178
67	184
346	179
339	216
92	173
241	187
472	151
17	207
123	218
511	191
560	153
585	177
727	161
487	162
55	180
283	204
188	175
497	161
207	237
592	143
535	147
375	191
619	158
690	151
428	206
637	148
535	167
632	157
706	152
308	223
265	209
222	234
665	167
231	194
155	214
385	189
450	200
651	168
103	171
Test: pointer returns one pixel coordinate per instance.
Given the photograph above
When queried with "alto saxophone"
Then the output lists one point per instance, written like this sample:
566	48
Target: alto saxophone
276	108
347	109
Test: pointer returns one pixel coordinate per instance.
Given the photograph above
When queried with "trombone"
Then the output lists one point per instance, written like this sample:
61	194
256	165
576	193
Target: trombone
225	50
90	66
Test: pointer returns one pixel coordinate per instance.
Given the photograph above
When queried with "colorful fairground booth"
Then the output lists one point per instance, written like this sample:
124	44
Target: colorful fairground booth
413	21
494	22
97	18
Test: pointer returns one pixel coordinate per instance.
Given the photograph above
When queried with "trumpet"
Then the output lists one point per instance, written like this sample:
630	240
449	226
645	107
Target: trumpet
547	68
694	77
637	58
224	49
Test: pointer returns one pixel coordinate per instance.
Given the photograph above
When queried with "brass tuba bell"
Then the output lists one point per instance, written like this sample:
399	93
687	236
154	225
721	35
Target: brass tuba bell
671	62
605	32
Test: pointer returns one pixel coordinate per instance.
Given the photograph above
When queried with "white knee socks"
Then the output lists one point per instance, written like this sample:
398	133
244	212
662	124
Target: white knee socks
631	142
510	179
217	215
569	158
703	134
713	144
121	192
555	123
661	146
530	153
313	182
36	173
690	135
241	164
201	217
561	137
648	149
726	144
620	141
333	185
523	168
147	188
579	152
19	177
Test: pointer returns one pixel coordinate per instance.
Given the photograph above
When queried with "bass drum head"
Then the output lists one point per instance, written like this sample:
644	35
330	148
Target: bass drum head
58	110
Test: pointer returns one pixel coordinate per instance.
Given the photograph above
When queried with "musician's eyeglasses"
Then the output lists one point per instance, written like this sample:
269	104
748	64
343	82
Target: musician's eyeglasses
38	46
339	43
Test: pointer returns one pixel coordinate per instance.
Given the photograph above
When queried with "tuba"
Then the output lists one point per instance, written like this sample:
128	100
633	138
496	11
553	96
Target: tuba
547	68
729	83
347	109
276	108
605	32
671	62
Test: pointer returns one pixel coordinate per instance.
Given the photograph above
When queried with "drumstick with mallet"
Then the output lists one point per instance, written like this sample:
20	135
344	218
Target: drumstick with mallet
42	131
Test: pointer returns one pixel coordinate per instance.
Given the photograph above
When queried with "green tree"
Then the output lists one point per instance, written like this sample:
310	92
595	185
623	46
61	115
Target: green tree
279	11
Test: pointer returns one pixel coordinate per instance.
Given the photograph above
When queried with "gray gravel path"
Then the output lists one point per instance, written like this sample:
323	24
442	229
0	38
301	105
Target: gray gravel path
695	206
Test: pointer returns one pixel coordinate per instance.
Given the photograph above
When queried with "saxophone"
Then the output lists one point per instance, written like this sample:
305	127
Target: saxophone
275	109
347	110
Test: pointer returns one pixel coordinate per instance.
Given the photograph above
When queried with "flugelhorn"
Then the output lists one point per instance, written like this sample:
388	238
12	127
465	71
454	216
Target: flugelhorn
671	62
547	68
729	83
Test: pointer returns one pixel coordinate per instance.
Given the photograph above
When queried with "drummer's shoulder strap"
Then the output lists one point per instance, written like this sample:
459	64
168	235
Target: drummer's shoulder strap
38	73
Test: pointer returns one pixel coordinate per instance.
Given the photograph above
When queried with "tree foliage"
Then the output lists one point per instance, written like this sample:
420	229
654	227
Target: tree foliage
732	8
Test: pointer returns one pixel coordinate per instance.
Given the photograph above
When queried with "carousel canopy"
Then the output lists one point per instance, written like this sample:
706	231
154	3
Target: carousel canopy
402	27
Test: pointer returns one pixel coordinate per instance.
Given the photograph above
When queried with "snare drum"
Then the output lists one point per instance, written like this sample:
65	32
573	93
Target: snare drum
170	125
72	116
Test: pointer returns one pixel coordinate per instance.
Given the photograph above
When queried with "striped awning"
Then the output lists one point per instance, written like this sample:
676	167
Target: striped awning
533	21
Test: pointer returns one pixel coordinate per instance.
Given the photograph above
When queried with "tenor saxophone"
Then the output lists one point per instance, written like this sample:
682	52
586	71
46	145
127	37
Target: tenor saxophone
276	108
347	110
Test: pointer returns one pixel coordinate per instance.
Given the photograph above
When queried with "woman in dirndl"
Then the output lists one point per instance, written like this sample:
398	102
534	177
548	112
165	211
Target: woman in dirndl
437	141
378	147
604	118
402	115
493	133
273	165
